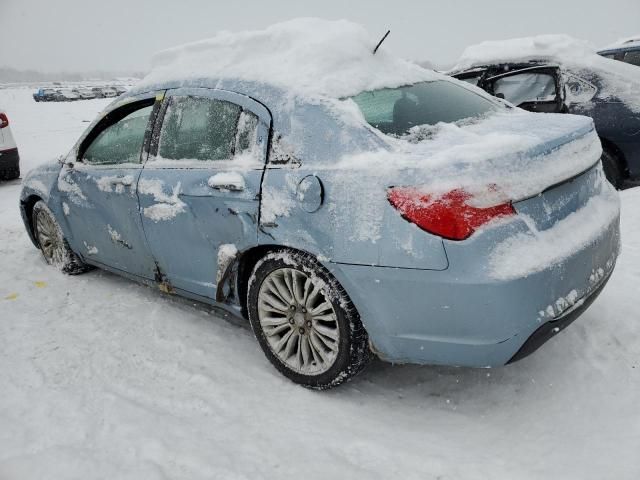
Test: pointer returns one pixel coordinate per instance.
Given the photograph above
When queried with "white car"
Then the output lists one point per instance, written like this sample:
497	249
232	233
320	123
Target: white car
109	92
9	158
67	95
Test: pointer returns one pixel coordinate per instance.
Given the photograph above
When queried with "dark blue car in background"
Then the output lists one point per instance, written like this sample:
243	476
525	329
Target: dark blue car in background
556	74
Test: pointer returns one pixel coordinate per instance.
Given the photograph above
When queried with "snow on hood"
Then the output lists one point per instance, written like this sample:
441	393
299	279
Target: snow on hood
619	80
306	55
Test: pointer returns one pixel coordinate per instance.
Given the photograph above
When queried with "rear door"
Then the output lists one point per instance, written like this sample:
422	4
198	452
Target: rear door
201	184
98	189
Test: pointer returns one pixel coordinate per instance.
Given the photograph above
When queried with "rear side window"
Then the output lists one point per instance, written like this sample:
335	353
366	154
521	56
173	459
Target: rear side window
633	57
397	110
205	129
120	142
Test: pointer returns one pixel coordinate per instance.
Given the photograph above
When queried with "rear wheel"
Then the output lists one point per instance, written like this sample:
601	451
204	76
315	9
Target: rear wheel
305	322
612	169
53	245
10	173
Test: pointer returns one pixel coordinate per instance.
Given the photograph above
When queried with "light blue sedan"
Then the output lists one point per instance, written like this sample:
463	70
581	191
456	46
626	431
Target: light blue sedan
294	215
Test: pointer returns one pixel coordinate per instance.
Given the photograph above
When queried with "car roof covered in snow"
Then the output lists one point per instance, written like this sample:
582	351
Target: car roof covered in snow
623	44
308	56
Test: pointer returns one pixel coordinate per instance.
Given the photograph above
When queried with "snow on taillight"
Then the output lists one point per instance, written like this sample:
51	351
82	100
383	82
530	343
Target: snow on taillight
4	120
452	215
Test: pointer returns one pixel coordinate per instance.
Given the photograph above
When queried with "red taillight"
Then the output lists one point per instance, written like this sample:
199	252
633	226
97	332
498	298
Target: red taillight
449	215
4	120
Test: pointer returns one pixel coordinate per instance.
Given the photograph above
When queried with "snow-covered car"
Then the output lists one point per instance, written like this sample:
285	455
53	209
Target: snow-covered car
66	95
352	203
84	93
45	95
558	74
120	89
97	92
109	92
627	51
9	157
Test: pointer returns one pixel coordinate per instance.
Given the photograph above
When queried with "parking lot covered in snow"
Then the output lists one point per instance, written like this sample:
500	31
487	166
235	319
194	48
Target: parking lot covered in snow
104	378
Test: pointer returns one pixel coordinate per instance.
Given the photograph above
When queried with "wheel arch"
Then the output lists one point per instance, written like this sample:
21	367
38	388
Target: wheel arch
611	148
244	265
26	210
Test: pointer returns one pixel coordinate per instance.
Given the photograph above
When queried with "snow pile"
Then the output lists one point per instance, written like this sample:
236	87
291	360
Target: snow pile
306	55
168	206
632	41
275	203
227	181
114	183
518	152
619	80
534	251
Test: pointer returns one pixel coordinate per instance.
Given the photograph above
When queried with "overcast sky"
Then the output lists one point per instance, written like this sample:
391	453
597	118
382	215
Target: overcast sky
84	35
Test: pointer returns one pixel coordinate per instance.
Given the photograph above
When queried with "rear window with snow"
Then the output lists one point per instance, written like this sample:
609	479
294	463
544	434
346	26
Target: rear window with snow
396	110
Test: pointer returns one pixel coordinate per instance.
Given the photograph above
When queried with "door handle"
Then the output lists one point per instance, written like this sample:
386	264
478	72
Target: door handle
227	182
127	181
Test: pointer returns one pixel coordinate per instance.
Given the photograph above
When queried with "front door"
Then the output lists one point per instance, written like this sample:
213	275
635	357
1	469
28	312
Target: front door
200	187
98	191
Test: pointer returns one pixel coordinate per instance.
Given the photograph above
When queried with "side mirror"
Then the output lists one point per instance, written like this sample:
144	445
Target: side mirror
62	160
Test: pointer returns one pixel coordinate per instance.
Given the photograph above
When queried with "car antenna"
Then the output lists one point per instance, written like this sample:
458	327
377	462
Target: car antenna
380	42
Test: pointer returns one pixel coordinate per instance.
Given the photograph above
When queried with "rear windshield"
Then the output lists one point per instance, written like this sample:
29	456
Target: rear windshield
396	110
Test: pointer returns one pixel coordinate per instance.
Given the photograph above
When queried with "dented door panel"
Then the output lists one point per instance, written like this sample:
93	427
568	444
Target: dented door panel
190	207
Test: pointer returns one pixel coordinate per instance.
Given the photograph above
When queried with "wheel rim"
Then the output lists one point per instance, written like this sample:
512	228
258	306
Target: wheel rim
298	321
49	238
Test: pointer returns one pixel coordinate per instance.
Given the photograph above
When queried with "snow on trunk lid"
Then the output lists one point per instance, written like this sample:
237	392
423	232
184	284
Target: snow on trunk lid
559	201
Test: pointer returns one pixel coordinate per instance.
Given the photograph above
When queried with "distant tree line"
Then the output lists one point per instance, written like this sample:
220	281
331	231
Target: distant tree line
11	75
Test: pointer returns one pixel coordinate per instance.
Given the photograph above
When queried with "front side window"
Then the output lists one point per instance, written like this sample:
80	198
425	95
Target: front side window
120	142
205	129
396	110
526	87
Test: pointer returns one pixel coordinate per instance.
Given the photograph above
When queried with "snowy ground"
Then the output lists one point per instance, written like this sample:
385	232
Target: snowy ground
103	378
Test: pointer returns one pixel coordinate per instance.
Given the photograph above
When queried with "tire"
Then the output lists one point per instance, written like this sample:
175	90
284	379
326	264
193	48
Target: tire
10	174
51	241
294	303
612	169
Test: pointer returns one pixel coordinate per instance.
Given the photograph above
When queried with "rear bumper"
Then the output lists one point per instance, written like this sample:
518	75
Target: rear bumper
462	316
9	162
550	329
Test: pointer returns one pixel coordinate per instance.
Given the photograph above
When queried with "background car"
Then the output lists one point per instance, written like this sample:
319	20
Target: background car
84	93
9	157
627	51
45	95
556	74
66	95
109	92
97	91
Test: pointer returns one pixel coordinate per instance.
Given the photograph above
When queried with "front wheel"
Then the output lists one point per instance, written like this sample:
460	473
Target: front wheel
305	322
53	245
